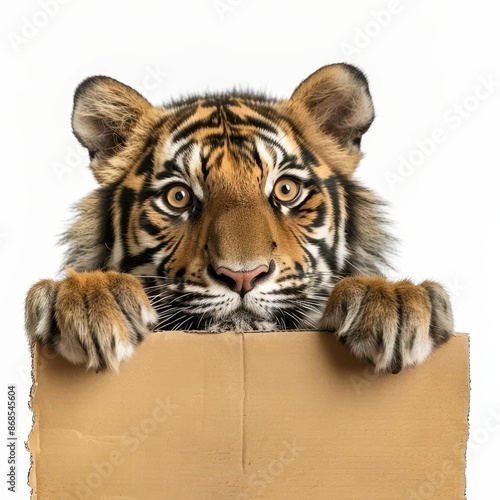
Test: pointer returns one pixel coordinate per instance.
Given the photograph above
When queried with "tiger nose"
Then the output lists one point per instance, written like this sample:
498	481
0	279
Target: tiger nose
241	281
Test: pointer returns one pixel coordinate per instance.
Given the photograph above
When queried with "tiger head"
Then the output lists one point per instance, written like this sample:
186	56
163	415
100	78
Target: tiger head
236	211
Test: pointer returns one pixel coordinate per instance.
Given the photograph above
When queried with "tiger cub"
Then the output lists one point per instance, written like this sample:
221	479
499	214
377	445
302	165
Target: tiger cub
231	211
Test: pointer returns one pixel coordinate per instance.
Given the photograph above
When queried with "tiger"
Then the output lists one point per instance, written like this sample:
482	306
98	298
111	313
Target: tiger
231	211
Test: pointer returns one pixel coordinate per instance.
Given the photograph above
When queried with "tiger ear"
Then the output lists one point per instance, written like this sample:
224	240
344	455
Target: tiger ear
338	99
105	112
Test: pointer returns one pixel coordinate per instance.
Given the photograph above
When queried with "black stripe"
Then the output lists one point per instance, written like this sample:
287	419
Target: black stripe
153	133
134	334
204	167
332	186
304	201
287	277
147	164
259	124
257	159
185	147
107	235
190	129
145	257
216	159
54	332
147	225
412	340
307	156
160	270
170	168
319	220
397	356
233	118
169	217
380	343
266	111
299	269
186	111
437	333
325	252
100	355
127	199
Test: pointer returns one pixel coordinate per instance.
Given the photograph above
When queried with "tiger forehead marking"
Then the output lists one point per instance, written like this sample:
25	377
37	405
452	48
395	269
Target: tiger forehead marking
230	129
236	210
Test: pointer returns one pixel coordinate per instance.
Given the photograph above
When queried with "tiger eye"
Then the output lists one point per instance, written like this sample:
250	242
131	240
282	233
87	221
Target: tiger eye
179	197
286	190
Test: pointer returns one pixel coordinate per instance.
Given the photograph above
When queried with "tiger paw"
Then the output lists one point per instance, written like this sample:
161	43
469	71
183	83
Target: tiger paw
392	325
93	318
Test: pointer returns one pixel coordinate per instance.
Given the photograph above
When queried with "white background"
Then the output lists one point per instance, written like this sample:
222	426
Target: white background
425	62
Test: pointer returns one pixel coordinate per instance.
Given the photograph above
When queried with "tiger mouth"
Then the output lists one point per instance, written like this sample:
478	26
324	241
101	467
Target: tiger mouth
242	313
241	320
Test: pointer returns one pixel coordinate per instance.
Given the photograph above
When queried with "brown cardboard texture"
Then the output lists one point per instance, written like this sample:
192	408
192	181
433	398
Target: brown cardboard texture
282	415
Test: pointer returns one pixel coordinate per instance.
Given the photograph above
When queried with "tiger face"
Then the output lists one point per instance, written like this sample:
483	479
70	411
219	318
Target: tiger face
237	211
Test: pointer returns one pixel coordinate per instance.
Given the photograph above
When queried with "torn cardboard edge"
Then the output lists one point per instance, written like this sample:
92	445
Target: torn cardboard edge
267	415
31	479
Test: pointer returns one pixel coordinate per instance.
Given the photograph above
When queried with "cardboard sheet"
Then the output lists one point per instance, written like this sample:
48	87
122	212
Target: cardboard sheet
282	415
